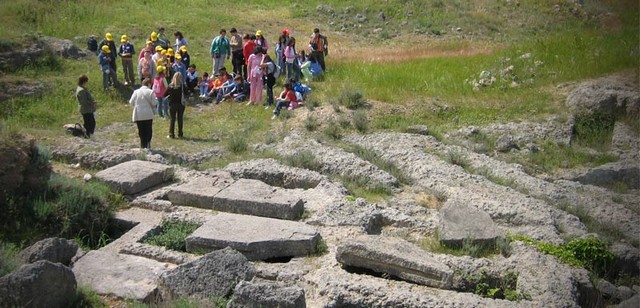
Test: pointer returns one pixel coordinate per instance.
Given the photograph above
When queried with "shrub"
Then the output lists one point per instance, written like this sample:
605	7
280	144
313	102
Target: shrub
352	99
457	158
304	159
172	235
344	121
237	143
594	130
360	121
311	103
311	123
9	260
333	131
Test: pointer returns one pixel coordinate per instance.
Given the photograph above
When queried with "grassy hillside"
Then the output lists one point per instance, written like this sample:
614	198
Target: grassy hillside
422	56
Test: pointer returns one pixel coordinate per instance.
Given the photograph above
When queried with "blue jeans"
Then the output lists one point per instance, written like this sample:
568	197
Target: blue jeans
163	107
279	106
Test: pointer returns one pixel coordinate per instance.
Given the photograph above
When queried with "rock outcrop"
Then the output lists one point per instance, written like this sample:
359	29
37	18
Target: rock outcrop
266	294
55	250
40	284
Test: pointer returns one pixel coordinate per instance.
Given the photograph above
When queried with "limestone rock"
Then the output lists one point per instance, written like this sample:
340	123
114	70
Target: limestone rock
274	173
55	250
64	48
125	276
266	294
135	176
607	95
611	173
257	238
200	191
461	222
214	274
418	129
40	284
395	257
252	197
633	302
505	143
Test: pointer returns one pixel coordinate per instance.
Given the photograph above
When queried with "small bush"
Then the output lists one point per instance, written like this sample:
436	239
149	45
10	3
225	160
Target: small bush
304	159
311	123
173	234
336	107
9	260
360	121
352	99
237	143
344	122
595	130
311	103
457	158
333	131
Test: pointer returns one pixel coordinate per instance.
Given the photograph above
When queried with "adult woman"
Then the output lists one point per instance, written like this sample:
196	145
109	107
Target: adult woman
175	93
255	76
180	40
87	105
144	104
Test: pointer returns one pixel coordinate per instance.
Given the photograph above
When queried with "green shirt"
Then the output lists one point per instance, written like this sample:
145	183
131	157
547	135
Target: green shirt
85	100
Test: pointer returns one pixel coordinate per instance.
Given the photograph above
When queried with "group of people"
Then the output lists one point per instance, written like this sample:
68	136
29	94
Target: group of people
167	74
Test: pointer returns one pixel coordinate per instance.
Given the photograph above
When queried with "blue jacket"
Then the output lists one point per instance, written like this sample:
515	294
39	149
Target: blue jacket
103	60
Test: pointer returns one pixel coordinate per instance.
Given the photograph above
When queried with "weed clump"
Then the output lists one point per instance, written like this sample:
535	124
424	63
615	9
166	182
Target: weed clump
303	159
172	235
333	131
9	260
311	123
237	143
352	99
360	121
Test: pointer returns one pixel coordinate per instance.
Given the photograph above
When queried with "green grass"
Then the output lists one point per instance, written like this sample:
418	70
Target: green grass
552	157
9	260
172	235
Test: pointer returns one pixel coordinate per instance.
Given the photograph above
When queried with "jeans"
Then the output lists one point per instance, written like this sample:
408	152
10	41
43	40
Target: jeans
203	89
145	132
269	81
163	107
237	60
218	63
290	70
279	106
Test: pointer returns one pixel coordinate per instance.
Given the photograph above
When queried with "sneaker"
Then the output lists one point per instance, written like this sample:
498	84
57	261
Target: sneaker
274	117
267	107
126	83
171	137
249	103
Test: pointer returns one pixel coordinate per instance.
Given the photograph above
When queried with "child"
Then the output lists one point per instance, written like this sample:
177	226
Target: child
204	85
192	78
286	99
159	87
240	91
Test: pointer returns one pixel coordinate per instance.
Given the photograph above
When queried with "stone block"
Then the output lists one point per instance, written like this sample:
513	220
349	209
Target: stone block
135	176
460	222
253	197
257	238
200	191
266	294
396	257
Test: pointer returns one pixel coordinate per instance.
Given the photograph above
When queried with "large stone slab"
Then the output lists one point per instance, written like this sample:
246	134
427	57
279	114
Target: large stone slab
460	222
125	276
396	257
213	275
257	238
253	197
266	294
200	191
135	176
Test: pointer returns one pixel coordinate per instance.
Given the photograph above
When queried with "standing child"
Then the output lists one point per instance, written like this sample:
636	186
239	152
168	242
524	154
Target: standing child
159	87
87	105
126	52
204	85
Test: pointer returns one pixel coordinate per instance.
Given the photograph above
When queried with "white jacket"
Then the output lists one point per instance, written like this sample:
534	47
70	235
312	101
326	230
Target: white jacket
144	104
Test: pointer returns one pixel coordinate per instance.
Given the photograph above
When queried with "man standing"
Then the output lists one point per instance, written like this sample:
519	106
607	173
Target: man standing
237	59
108	41
219	51
319	47
126	54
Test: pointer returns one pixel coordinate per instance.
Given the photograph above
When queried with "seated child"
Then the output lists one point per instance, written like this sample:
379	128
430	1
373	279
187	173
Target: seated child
287	99
204	85
191	79
240	90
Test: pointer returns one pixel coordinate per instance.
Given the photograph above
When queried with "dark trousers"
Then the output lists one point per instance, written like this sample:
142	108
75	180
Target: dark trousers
320	57
145	131
177	113
237	60
269	82
89	123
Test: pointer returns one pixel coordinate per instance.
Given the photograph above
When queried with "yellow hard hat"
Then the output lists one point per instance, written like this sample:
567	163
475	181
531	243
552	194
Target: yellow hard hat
149	42
105	49
154	36
258	33
160	69
124	38
178	57
183	48
163	52
159	48
108	37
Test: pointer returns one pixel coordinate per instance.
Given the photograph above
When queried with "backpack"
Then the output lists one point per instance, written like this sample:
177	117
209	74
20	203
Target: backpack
92	44
76	130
